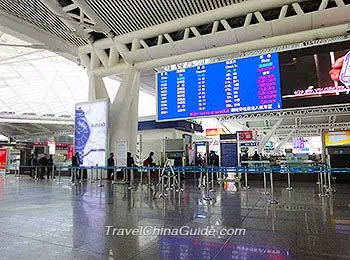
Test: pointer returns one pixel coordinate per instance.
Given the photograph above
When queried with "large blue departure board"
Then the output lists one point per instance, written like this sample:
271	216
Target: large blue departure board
234	86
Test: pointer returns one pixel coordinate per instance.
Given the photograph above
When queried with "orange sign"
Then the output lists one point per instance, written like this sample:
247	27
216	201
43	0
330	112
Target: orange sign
3	159
215	131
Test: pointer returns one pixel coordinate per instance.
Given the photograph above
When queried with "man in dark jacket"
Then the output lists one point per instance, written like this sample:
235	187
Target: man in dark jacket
110	163
149	160
32	163
49	166
75	163
130	160
129	163
43	164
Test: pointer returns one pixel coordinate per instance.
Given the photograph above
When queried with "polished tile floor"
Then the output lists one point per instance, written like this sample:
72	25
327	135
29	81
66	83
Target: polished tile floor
46	220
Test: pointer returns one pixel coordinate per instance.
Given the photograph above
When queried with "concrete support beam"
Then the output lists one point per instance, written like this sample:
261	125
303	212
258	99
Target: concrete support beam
124	111
97	89
267	137
283	142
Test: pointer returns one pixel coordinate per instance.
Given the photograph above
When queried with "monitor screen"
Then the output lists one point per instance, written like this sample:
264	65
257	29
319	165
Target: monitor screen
234	86
307	77
337	138
298	78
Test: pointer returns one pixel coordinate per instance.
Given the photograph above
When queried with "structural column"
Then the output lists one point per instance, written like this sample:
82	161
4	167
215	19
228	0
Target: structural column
124	111
97	89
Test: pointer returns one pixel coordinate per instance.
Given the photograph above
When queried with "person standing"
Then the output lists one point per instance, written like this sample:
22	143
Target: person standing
43	164
130	160
149	160
110	164
32	164
49	166
129	163
75	164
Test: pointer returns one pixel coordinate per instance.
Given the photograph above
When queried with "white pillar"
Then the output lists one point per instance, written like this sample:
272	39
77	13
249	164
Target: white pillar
267	137
124	111
283	142
97	89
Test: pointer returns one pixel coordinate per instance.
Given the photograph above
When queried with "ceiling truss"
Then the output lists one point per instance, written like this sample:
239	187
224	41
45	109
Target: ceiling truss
239	31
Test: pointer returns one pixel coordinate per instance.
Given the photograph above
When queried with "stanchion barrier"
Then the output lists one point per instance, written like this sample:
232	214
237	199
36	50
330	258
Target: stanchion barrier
17	172
163	194
200	184
131	183
322	193
246	187
53	172
179	189
207	195
212	180
125	175
149	177
289	188
74	176
92	174
59	175
272	200
141	174
114	176
329	177
101	184
324	176
265	192
36	173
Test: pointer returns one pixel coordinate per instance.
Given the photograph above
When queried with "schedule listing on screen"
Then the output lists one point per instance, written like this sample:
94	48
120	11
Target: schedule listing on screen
233	86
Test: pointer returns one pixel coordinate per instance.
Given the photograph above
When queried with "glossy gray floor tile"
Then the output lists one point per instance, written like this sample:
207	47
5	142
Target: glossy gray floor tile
45	220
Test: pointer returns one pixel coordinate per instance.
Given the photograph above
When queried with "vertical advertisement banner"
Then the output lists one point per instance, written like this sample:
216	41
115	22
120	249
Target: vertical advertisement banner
91	129
3	159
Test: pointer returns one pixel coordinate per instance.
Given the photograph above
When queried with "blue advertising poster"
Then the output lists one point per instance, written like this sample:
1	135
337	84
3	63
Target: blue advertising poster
90	135
234	86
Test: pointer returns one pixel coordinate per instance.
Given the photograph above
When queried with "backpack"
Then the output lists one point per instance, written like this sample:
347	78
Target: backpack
145	163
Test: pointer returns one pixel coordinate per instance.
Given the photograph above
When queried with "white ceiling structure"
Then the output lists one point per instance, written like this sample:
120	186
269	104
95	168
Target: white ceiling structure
108	36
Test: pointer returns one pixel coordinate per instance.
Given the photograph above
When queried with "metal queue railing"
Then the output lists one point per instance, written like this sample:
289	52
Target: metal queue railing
169	178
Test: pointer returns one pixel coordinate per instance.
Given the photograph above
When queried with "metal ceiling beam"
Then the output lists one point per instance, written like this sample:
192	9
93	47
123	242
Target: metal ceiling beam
291	113
287	39
13	25
218	14
35	121
41	127
99	25
284	128
18	128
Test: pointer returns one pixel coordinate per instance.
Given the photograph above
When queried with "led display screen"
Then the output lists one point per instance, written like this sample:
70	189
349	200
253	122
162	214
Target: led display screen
234	86
337	138
311	76
307	145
